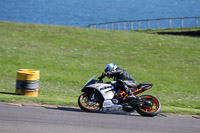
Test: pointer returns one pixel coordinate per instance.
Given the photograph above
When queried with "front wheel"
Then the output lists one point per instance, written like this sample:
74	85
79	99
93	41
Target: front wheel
90	102
150	107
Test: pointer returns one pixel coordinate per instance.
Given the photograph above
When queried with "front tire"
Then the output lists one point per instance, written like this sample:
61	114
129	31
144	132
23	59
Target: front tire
151	107
88	105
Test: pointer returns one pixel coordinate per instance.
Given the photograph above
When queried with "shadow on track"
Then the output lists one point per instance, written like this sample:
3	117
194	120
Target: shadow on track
75	109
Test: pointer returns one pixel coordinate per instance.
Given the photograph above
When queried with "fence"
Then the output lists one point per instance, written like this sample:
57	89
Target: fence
162	23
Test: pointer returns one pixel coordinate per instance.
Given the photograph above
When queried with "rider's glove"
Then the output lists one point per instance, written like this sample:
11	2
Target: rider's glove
100	80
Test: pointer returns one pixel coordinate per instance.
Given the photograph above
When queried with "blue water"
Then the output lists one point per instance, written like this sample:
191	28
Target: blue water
80	13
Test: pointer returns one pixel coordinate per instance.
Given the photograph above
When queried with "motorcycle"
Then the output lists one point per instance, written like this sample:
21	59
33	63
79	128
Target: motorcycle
109	97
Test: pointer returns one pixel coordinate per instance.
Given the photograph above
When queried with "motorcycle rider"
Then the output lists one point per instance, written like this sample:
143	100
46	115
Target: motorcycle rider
124	80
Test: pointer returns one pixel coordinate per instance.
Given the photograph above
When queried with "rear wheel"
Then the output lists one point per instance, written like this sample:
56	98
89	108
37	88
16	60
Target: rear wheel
151	106
90	102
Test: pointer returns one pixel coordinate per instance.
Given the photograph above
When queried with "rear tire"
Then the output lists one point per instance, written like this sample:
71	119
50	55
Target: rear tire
151	108
89	106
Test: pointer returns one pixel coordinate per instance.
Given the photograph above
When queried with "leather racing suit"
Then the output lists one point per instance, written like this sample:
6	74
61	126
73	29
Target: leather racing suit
124	80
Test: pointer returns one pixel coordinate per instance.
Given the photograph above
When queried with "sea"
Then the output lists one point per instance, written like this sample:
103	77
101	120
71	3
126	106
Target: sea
81	13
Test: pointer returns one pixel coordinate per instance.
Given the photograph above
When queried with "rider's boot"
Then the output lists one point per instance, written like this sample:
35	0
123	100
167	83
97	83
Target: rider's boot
130	95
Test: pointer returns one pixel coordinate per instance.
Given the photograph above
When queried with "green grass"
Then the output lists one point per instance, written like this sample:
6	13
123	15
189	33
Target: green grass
67	57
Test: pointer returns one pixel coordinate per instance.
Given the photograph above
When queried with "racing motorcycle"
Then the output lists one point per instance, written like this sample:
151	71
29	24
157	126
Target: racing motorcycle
109	97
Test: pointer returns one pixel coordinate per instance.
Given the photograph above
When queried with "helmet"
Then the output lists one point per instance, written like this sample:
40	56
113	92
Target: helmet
110	67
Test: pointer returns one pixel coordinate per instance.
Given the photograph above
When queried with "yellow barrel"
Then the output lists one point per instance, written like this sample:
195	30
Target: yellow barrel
28	74
31	93
27	82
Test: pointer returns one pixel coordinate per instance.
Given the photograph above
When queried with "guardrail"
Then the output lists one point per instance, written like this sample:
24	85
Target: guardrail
161	23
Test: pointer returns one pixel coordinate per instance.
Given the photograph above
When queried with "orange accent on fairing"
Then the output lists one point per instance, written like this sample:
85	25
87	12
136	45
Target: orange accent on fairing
108	92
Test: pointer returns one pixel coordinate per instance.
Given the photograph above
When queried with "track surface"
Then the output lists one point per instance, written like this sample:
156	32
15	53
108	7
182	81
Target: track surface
31	119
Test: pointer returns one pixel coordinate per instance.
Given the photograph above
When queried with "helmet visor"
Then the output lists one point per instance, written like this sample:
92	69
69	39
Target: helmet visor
107	69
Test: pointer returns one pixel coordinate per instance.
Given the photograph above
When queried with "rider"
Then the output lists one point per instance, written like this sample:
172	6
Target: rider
124	80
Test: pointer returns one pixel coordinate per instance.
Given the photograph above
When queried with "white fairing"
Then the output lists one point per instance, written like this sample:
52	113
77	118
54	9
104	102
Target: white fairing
108	93
109	106
105	89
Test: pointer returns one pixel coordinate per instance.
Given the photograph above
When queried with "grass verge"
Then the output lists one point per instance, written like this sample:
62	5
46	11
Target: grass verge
67	57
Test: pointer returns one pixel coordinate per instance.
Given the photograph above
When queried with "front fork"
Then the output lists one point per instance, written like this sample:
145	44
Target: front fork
93	96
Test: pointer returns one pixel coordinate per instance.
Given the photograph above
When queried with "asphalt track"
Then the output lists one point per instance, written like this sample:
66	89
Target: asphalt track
35	119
